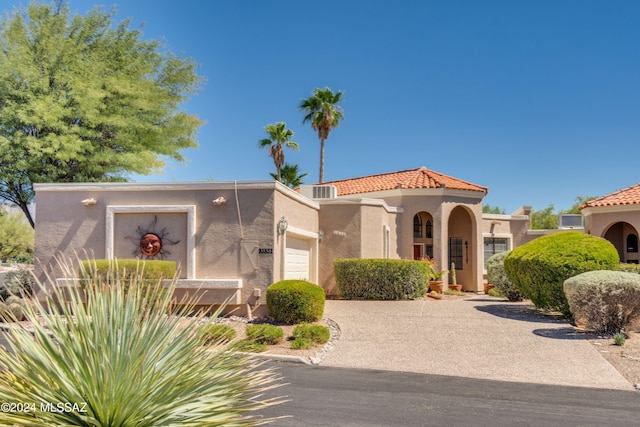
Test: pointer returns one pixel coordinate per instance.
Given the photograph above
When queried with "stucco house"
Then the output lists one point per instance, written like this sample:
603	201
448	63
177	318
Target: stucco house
616	217
233	239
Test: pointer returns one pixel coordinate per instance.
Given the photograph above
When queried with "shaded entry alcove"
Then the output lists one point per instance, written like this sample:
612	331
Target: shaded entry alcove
624	237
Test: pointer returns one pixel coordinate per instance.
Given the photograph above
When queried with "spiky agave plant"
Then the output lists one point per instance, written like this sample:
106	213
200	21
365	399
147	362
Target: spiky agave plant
118	354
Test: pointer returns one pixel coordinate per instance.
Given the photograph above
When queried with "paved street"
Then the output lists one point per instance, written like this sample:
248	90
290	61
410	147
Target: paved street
326	397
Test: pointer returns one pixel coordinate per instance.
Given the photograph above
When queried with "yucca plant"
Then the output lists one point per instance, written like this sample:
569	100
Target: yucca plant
118	354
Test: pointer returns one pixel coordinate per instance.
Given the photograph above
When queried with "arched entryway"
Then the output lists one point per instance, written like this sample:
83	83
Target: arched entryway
462	247
624	237
422	235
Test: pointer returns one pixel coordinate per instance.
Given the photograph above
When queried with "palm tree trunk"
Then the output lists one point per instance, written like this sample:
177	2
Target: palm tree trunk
321	161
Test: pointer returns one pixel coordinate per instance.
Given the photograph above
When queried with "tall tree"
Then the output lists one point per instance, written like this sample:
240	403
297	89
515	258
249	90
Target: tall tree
544	219
488	209
291	176
575	209
279	137
84	100
324	113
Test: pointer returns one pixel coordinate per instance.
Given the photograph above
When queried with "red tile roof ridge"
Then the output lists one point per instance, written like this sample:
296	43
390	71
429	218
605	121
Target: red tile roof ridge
625	196
409	178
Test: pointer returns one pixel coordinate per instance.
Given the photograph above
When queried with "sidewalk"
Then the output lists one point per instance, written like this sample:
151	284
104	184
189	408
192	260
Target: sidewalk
478	337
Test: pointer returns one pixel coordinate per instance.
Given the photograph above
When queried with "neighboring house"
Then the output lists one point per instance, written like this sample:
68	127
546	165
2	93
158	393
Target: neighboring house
233	239
616	217
428	214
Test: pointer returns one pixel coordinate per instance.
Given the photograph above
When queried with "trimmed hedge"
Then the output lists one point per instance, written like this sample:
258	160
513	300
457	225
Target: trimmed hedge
295	301
498	277
540	267
630	268
606	301
100	270
381	279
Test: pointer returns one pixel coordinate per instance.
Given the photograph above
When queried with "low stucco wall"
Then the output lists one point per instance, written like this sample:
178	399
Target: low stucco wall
235	240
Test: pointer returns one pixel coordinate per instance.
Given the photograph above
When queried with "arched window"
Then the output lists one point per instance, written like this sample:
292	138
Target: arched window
632	243
417	226
429	229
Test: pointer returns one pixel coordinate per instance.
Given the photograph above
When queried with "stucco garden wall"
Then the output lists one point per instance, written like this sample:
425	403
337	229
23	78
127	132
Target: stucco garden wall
232	246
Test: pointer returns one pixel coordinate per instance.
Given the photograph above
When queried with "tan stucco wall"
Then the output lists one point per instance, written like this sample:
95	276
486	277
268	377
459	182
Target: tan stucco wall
440	203
226	239
354	228
599	220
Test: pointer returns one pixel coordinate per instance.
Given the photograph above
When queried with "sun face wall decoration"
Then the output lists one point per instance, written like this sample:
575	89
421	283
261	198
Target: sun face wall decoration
151	244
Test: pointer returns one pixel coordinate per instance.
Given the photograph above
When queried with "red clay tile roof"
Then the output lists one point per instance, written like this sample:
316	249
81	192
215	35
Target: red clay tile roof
626	196
412	178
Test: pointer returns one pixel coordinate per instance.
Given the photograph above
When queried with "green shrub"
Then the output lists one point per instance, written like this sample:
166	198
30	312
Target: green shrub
12	310
130	365
302	344
295	301
248	346
606	301
18	282
499	279
629	268
217	333
381	279
264	333
539	268
619	339
104	270
493	292
317	334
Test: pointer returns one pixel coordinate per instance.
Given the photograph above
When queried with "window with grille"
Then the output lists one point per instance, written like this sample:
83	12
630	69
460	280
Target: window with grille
632	243
417	226
455	251
494	245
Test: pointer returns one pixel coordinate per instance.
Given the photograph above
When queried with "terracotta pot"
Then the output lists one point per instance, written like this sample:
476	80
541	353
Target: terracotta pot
436	286
487	287
456	287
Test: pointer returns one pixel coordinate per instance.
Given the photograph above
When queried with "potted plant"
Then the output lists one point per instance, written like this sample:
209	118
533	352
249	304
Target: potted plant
435	278
454	283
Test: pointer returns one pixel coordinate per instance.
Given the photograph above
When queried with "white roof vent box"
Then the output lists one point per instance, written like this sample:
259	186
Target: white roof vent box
570	221
319	192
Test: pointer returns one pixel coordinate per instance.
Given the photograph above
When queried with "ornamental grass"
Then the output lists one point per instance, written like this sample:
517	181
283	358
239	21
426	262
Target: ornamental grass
115	353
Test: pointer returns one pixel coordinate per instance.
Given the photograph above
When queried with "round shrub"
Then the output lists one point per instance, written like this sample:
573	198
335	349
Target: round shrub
295	301
12	310
539	268
498	277
264	333
317	334
18	282
216	333
605	301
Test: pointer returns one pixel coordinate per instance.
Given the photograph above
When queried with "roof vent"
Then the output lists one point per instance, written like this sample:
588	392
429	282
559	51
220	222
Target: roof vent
319	191
570	221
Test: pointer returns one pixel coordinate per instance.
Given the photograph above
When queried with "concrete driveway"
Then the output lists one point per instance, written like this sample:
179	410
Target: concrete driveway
476	337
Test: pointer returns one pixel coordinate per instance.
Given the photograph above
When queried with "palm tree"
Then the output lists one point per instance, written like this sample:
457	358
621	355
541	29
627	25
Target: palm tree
279	136
324	114
291	176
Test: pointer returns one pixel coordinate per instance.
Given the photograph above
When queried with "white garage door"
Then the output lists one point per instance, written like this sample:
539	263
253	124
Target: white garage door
296	259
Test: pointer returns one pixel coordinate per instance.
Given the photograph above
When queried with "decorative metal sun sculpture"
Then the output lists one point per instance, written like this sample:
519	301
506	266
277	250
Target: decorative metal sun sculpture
150	244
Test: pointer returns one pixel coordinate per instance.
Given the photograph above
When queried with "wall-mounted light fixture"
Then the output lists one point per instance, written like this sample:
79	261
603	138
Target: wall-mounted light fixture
282	226
219	201
320	236
89	202
466	249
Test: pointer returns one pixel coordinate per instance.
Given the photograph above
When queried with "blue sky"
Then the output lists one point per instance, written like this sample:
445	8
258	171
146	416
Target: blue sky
537	100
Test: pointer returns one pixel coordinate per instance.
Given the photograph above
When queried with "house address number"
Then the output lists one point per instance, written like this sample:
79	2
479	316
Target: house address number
264	251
